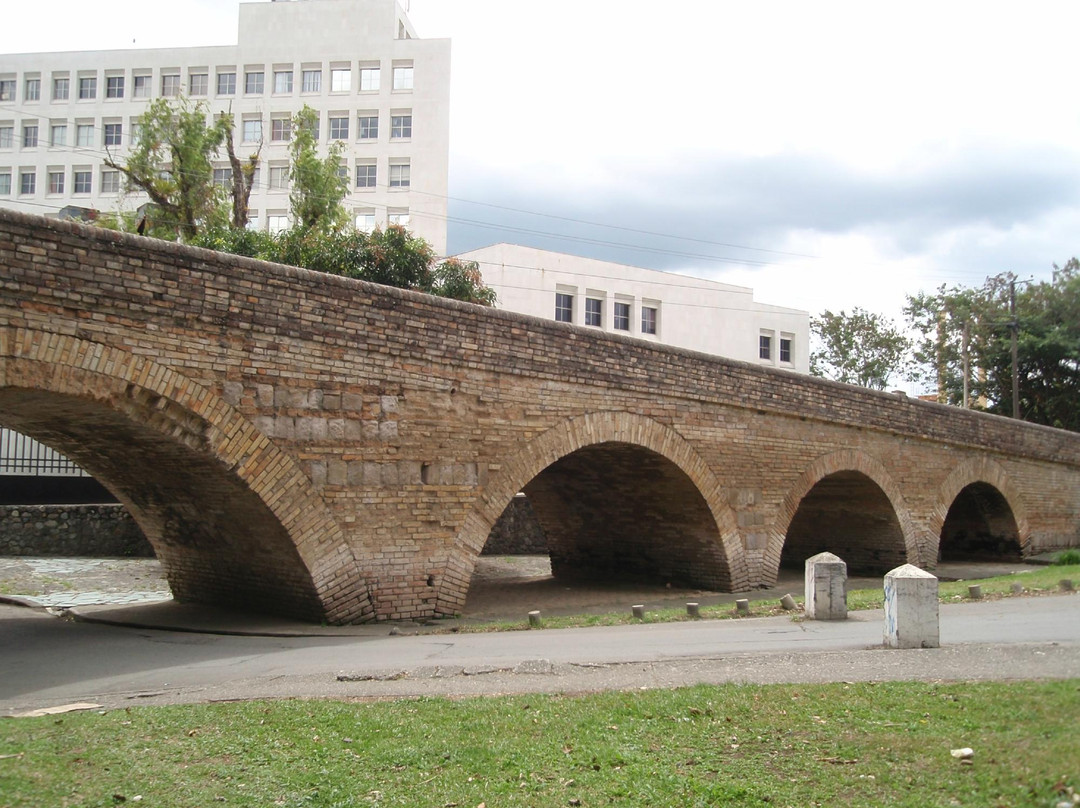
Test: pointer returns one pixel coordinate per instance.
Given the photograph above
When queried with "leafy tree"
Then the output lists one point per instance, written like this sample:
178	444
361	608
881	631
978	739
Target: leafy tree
939	321
858	348
171	162
318	186
243	176
461	280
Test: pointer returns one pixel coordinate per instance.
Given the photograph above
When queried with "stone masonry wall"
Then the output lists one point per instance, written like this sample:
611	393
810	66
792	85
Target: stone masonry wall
70	530
516	532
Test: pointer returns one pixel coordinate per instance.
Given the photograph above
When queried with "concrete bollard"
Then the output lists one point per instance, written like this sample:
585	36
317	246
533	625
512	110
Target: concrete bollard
975	591
911	608
1017	588
826	587
788	603
638	611
693	609
1066	584
534	619
742	606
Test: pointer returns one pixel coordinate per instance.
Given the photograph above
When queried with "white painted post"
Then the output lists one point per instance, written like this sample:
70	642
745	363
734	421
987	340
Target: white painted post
911	608
826	587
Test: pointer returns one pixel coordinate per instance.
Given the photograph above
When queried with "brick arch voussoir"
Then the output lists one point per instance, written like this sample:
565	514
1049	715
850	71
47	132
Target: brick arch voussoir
844	460
68	365
558	442
979	470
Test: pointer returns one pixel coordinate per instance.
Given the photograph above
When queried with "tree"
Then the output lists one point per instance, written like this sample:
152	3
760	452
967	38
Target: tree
461	280
171	162
243	176
318	186
858	348
938	351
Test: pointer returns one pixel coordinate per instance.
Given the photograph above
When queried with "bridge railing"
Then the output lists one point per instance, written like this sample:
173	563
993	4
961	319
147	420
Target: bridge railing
23	456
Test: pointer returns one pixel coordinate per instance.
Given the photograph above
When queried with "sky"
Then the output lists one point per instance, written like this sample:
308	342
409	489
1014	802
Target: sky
827	154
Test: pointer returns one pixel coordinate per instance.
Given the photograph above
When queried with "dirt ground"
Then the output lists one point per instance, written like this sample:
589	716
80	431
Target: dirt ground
502	586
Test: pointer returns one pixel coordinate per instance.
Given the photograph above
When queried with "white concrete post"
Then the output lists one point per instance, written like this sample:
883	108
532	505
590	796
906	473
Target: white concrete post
911	608
826	587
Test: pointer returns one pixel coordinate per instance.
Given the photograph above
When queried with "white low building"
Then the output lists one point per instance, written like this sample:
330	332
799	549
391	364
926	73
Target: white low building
679	310
377	88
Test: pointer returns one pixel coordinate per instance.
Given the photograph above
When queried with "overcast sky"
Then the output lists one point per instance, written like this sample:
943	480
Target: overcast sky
827	154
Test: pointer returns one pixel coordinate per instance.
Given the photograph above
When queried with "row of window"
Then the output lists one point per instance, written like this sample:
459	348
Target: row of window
621	312
252	131
365	219
252	81
82	180
766	341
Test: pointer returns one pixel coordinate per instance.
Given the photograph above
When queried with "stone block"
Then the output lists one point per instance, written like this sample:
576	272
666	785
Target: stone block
911	608
826	587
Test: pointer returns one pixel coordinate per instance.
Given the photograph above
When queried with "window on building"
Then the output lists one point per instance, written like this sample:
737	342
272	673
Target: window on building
140	86
403	78
56	182
339	128
277	222
648	319
223	177
764	346
114	134
198	84
27	182
61	88
368	128
785	349
564	307
7	135
340	79
369	79
594	308
82	179
7	90
398	217
170	85
621	318
400	175
365	175
282	81
253	82
252	220
5	183
32	92
226	84
365	220
401	126
58	134
29	136
114	86
253	130
280	129
110	181
84	134
311	81
88	87
279	178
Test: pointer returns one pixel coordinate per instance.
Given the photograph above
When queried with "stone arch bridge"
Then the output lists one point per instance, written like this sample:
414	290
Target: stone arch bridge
333	450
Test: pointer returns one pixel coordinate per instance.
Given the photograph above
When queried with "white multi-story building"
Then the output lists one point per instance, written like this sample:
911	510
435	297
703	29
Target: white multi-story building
679	310
358	63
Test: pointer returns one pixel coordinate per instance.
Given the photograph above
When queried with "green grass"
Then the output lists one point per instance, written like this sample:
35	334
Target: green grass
825	745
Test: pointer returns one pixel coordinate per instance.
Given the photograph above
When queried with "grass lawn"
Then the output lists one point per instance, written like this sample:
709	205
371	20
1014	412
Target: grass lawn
826	745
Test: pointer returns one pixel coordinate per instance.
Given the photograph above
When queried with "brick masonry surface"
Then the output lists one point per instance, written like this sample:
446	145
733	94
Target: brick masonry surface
334	450
70	530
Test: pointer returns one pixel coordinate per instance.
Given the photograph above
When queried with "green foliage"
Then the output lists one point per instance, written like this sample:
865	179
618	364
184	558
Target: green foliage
395	257
171	161
1067	558
461	280
318	186
858	348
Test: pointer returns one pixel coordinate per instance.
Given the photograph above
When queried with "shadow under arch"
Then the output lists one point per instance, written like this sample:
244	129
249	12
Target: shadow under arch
874	530
979	515
588	444
233	518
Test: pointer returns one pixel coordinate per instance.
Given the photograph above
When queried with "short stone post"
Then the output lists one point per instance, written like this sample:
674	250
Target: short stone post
693	610
826	588
534	619
1017	588
975	591
911	608
742	606
1066	584
788	603
638	611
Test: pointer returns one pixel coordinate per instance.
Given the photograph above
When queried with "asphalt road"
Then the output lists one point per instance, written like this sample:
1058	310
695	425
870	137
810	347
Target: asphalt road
47	662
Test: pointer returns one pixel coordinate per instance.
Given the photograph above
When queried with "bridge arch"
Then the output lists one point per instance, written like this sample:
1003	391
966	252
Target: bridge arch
587	445
879	511
979	514
234	520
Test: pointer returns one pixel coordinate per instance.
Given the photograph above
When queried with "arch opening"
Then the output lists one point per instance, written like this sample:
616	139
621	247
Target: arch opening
980	526
618	512
848	514
217	540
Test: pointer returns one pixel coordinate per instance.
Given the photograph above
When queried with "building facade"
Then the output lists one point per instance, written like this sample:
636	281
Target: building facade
692	313
376	87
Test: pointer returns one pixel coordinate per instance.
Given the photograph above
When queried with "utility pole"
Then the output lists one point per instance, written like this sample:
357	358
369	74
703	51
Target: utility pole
1014	326
966	363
